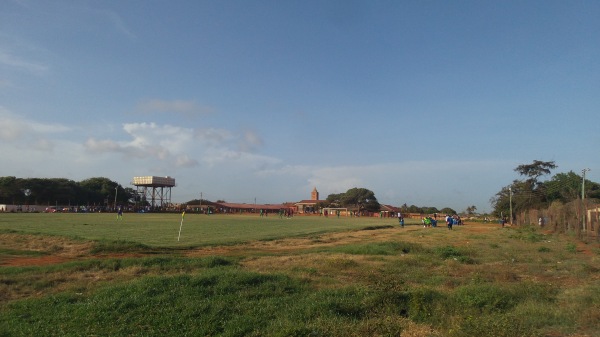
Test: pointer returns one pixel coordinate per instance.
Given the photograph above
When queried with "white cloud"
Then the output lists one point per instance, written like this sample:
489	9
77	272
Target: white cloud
250	141
100	146
185	147
24	132
185	161
150	135
174	106
147	140
44	145
213	137
245	160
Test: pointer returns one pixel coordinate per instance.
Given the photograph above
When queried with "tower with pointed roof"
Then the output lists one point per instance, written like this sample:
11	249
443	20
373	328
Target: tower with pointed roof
314	195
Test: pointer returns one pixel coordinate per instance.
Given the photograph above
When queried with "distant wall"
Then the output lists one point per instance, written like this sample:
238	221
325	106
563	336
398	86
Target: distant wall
21	208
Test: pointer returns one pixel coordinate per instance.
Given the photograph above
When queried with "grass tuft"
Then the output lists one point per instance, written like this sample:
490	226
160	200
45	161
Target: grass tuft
451	252
379	248
120	246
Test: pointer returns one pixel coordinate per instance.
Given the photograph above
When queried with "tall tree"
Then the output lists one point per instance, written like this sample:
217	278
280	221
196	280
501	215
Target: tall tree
335	199
524	194
535	170
362	198
564	187
471	210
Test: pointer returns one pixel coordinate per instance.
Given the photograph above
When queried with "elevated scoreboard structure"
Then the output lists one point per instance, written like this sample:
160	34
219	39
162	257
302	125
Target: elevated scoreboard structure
155	190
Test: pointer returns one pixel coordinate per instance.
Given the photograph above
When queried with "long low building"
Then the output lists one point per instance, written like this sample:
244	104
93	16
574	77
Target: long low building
229	207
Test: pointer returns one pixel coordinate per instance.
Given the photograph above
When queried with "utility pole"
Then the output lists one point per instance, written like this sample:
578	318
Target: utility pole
510	202
200	210
584	211
116	188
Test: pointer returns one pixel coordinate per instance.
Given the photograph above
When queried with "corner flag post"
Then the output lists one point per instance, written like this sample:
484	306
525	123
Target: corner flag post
180	225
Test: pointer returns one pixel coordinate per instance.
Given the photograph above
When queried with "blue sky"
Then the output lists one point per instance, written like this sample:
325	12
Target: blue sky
432	103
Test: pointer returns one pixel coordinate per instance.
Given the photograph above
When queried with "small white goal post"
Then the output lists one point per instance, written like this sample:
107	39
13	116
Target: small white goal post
334	211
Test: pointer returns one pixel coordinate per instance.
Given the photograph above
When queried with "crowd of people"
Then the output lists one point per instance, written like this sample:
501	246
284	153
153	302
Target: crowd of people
431	221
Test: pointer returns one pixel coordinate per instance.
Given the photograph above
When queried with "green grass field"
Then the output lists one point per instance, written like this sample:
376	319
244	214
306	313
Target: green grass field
89	275
162	230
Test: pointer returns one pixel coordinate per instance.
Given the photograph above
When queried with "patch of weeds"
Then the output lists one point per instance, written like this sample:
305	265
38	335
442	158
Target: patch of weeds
380	248
588	269
310	271
425	305
118	247
483	298
371	228
527	233
497	325
494	245
219	302
544	249
451	252
216	261
316	239
571	248
343	263
19	252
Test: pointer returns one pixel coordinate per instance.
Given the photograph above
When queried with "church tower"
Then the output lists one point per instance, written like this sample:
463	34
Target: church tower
314	195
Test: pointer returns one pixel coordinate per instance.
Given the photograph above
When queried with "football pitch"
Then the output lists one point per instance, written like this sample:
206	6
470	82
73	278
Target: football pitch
245	275
162	229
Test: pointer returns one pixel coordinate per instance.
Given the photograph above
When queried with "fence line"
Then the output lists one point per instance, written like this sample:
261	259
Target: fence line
565	218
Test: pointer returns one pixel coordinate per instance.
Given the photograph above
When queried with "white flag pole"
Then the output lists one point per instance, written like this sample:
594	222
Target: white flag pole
180	225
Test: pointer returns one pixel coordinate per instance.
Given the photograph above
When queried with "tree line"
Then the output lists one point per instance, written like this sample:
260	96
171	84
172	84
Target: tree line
50	191
530	192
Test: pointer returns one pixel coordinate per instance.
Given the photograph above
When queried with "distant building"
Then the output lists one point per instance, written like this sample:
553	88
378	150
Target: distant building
156	191
389	211
310	205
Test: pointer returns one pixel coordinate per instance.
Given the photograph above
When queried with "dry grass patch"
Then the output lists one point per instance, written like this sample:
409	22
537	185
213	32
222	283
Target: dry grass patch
342	269
51	245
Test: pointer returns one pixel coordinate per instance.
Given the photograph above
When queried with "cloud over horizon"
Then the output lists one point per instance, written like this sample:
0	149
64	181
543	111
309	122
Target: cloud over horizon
188	108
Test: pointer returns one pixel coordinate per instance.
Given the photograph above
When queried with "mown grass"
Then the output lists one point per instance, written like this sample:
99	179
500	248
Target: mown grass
382	282
162	229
